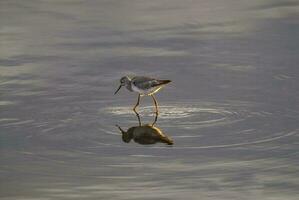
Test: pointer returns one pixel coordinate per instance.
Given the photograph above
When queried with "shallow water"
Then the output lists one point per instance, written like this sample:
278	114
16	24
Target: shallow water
232	108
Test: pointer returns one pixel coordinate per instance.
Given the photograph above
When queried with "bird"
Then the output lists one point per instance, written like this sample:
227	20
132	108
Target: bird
144	86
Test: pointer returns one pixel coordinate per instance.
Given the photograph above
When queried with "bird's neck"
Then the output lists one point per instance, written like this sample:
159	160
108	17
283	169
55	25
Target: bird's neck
129	86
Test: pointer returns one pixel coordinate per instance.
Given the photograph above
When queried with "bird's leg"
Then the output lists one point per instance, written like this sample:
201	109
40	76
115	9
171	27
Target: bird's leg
156	105
138	100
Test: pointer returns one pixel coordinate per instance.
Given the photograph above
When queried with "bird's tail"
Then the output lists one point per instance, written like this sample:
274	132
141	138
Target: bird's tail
163	82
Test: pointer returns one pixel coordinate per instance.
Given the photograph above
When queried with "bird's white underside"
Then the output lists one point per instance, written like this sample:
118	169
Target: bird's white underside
146	92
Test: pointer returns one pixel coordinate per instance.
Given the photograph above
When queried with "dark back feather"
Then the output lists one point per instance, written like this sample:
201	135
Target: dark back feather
147	83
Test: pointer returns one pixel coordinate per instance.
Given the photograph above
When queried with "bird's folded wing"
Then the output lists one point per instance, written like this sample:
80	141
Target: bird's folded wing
145	82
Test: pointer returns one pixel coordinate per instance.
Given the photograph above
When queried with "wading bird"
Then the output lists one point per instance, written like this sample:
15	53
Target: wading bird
143	86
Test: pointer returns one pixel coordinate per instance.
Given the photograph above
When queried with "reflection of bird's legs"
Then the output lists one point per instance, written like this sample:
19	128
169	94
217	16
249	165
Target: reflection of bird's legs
156	118
156	105
138	100
138	117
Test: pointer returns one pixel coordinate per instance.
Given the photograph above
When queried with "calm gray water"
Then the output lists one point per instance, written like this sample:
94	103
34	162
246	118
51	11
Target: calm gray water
232	108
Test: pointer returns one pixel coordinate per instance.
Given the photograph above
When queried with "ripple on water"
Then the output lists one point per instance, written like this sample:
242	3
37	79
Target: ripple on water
215	125
192	125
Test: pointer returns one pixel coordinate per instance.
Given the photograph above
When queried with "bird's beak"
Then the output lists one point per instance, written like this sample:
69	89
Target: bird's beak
117	89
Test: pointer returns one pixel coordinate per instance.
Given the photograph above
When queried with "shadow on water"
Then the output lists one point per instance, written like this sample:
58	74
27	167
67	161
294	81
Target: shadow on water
145	134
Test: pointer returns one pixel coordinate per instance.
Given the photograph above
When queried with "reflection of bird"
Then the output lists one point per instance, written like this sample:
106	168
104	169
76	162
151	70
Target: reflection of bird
144	86
146	134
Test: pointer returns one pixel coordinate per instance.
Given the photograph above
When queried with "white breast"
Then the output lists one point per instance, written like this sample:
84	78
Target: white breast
140	91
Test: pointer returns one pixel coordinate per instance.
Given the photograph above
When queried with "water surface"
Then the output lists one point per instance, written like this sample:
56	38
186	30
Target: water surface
232	108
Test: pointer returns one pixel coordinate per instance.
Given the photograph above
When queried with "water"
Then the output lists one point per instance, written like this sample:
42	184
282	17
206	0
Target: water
232	108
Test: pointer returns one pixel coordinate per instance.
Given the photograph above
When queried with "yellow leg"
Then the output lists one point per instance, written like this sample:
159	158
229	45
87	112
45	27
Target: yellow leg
156	105
137	104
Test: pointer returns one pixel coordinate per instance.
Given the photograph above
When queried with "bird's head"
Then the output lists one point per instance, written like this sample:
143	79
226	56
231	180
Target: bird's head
123	82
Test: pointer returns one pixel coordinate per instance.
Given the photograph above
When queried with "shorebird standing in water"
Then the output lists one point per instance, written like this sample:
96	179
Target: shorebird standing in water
143	86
